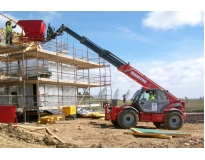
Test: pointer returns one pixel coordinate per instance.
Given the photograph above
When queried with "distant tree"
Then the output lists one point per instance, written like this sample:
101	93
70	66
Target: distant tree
127	94
87	93
102	94
116	94
186	99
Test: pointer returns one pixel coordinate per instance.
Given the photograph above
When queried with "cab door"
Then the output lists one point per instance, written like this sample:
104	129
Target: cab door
146	105
162	101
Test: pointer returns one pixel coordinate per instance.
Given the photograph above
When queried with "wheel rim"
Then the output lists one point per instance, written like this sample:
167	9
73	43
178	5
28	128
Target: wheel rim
174	121
128	119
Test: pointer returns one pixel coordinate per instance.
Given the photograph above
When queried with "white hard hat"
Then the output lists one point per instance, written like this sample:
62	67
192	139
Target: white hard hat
150	92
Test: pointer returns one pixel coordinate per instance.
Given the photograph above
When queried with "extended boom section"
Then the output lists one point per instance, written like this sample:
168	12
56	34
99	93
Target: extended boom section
107	55
111	58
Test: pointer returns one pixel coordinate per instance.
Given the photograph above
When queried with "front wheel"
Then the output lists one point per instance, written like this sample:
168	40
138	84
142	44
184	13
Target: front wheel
127	119
173	120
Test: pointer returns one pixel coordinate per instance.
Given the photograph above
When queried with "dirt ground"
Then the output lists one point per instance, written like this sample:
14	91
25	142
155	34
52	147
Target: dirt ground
93	133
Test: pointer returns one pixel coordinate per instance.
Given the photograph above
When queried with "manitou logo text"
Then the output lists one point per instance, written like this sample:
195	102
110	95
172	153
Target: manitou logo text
138	77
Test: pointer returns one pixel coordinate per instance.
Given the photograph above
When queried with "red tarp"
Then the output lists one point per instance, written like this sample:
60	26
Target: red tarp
7	114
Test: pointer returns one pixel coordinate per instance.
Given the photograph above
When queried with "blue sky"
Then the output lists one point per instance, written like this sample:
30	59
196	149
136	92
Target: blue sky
166	46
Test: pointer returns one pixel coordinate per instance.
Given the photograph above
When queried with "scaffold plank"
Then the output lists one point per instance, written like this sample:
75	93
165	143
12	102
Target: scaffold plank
7	48
63	82
50	56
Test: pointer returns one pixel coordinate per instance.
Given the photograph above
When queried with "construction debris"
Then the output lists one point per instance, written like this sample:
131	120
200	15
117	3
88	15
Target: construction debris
31	133
93	115
55	116
154	133
49	119
85	113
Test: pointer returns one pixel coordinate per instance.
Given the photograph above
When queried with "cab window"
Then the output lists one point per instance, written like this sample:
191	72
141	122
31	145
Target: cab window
136	95
144	96
162	95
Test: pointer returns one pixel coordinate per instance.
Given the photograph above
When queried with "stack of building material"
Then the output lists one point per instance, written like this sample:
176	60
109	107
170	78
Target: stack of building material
92	115
154	133
49	119
85	113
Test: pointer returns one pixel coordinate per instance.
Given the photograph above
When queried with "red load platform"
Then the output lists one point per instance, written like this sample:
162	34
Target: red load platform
34	29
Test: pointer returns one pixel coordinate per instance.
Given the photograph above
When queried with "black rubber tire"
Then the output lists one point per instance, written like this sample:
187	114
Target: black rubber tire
158	124
173	120
115	123
127	119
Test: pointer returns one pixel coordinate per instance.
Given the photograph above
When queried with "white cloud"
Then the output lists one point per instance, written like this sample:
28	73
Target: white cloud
130	33
157	63
172	20
184	77
49	16
181	78
124	29
123	83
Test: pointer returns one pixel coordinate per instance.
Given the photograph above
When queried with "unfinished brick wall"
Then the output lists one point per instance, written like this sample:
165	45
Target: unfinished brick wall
194	118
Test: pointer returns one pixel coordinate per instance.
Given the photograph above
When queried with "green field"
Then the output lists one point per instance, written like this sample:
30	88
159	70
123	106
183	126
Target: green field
194	105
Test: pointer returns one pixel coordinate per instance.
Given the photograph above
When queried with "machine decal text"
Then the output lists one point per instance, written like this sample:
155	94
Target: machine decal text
138	77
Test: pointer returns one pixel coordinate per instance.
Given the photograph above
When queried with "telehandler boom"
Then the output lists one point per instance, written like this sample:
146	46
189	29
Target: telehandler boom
165	110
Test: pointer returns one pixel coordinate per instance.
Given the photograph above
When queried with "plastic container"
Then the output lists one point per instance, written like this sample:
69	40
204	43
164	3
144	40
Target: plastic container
8	114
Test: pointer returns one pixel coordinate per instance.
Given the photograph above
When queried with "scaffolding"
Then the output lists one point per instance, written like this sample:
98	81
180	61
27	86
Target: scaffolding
51	75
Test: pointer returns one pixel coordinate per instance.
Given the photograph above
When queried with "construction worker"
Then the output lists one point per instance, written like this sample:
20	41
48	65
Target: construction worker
9	35
124	97
151	95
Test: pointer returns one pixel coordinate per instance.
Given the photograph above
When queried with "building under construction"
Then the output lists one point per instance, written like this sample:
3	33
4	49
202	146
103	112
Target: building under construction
39	75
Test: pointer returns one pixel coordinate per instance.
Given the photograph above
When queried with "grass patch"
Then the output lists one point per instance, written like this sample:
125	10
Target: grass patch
195	111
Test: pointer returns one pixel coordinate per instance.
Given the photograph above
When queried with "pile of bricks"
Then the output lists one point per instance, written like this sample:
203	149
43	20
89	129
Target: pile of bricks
194	118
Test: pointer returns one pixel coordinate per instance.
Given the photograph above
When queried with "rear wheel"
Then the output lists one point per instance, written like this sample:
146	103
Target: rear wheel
127	118
173	120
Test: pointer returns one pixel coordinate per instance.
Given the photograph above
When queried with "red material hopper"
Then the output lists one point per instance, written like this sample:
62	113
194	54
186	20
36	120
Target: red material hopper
8	114
34	29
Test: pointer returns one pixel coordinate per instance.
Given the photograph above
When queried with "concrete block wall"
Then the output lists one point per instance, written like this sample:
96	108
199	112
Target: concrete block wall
194	118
